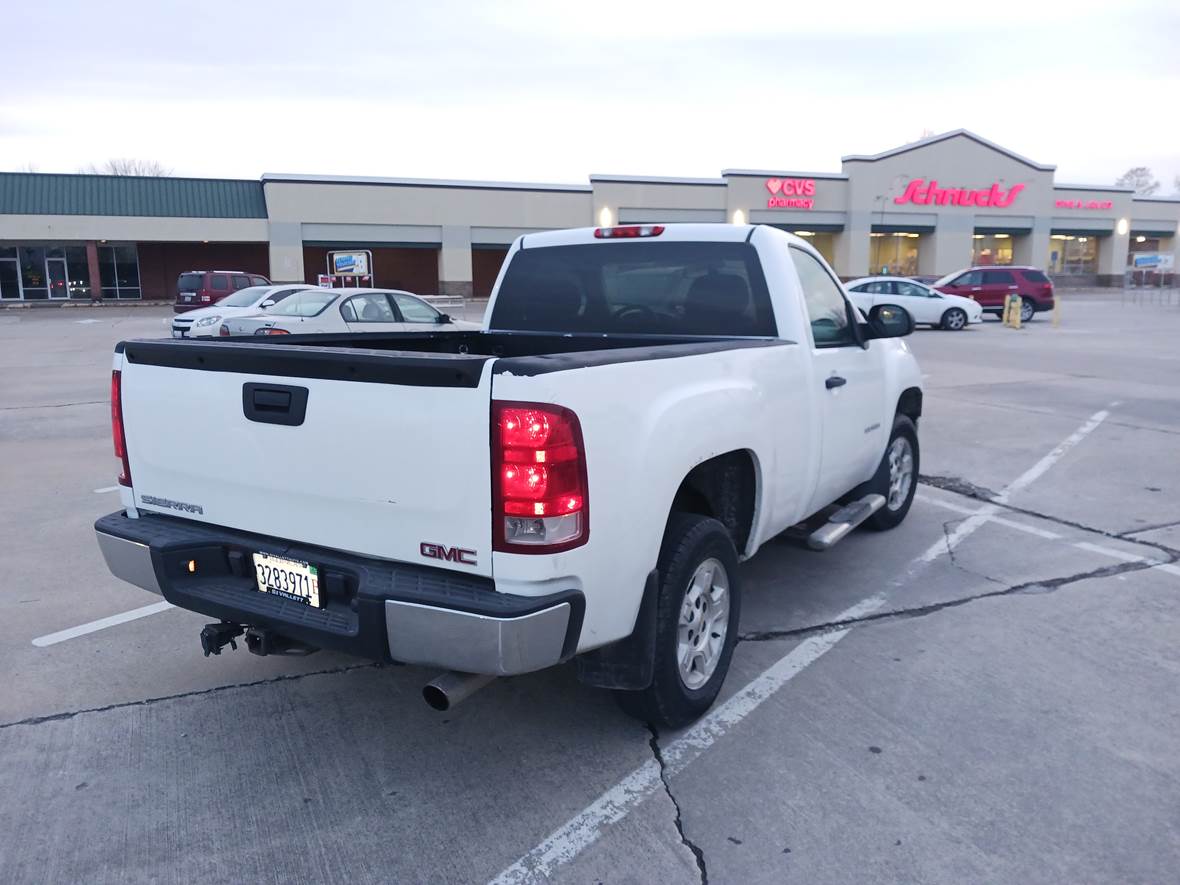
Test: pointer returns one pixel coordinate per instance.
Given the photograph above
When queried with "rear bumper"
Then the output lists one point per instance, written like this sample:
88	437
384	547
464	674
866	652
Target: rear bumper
373	609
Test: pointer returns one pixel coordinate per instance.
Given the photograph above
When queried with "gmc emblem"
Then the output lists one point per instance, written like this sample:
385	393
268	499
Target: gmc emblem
447	554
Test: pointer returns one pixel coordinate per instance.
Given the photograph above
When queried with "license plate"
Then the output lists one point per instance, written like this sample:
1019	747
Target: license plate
288	578
176	333
188	297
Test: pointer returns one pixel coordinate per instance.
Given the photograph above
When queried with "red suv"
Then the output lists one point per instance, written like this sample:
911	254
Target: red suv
201	288
990	285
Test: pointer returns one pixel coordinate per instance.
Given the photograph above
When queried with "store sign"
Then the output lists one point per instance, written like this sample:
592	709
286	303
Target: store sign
791	193
921	193
1085	204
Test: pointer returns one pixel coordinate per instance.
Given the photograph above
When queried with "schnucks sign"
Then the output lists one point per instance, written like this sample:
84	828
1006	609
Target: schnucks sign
923	194
790	193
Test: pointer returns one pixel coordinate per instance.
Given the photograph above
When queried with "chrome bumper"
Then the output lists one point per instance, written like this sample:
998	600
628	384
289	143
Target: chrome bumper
130	561
472	643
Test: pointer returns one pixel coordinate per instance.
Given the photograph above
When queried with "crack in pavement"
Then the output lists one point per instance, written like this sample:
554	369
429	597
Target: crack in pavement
678	821
954	559
286	677
1046	585
966	489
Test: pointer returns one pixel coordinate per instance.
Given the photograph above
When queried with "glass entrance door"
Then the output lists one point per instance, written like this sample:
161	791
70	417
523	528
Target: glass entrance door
59	279
9	278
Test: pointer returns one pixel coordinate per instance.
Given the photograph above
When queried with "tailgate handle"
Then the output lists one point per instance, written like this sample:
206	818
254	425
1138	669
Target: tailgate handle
274	403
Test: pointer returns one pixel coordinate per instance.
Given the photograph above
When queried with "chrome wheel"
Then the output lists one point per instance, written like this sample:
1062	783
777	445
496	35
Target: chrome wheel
955	319
704	621
1027	309
901	472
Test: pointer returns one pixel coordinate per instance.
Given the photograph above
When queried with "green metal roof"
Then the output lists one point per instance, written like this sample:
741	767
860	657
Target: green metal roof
32	193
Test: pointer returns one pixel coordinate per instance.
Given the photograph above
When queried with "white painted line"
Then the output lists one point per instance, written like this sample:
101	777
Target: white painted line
86	322
106	489
101	624
998	520
1128	557
988	511
579	832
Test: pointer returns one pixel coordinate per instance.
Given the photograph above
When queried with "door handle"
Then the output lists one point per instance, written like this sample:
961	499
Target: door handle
274	404
835	381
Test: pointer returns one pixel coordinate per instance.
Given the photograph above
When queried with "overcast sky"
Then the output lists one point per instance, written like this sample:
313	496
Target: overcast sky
553	91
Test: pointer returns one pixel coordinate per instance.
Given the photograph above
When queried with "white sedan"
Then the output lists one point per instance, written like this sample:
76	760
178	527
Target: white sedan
317	310
926	306
204	322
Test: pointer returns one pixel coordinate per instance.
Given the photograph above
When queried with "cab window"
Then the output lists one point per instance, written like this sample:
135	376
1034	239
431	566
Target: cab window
826	307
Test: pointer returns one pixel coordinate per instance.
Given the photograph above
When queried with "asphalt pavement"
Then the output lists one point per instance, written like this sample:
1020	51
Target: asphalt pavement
988	693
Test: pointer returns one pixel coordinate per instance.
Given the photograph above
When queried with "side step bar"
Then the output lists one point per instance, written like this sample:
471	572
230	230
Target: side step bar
843	521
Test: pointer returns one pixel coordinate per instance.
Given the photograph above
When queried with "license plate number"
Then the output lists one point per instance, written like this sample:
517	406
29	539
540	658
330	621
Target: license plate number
176	333
188	297
288	578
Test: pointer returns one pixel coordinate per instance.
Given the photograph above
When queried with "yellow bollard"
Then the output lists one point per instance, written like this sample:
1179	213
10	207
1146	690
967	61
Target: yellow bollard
1016	305
1056	310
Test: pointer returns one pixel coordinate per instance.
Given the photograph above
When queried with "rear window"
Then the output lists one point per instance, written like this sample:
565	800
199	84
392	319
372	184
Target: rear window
1035	276
309	303
655	288
189	282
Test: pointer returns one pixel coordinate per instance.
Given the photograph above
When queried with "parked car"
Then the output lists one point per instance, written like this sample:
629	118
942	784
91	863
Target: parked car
925	305
205	322
316	310
991	285
644	407
200	288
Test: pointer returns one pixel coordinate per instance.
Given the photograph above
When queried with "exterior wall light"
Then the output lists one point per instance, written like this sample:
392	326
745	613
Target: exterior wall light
1122	227
605	218
1141	239
739	216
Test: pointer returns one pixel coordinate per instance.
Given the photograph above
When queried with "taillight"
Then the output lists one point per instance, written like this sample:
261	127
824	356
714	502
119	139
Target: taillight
205	299
628	231
223	332
272	331
117	427
540	499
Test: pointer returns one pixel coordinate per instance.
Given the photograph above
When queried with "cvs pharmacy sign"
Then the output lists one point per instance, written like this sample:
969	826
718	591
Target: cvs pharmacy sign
790	193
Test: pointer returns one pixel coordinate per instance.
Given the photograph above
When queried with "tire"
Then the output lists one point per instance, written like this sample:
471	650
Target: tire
899	499
954	320
692	544
1028	309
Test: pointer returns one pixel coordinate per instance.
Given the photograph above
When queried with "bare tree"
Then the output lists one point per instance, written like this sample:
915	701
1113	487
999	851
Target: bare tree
32	167
1141	179
128	166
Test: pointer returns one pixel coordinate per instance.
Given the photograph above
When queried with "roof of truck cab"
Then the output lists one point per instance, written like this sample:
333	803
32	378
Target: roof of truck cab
689	232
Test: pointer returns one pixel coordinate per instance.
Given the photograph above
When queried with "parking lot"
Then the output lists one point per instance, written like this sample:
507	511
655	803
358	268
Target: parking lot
989	693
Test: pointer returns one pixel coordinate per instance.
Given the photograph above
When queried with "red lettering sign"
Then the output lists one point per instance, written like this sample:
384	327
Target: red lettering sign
790	193
922	194
1085	204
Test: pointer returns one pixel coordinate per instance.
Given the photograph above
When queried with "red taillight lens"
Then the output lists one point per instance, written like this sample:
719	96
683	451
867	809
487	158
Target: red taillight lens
540	494
206	299
274	332
223	332
117	427
628	231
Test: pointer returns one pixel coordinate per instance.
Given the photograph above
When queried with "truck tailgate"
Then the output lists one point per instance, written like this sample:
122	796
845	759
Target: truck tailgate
395	466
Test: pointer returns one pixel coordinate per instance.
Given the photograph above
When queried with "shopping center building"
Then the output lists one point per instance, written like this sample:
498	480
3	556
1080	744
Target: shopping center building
927	208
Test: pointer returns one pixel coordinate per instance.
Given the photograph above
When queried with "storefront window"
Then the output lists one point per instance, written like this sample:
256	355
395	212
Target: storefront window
824	243
79	271
118	268
991	249
894	253
1069	254
32	273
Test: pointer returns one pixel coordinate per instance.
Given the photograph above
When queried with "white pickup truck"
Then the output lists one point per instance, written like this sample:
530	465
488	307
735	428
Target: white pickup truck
643	408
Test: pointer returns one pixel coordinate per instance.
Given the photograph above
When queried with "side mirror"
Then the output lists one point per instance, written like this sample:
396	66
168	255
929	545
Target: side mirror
267	303
889	321
443	318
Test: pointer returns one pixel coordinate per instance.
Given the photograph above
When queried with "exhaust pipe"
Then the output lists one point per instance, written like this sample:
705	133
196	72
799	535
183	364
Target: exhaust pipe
448	689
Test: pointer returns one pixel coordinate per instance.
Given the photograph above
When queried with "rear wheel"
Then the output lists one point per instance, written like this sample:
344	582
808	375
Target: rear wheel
1028	309
896	478
698	609
954	319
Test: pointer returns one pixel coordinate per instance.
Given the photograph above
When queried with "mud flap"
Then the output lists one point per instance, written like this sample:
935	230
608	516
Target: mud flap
628	664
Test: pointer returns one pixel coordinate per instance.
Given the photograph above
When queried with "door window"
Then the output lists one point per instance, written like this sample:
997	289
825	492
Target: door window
414	310
913	290
219	283
372	307
826	307
259	281
998	278
241	281
971	278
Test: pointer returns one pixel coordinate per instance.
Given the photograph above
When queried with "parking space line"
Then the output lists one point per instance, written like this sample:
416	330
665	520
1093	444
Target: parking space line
998	520
579	832
101	624
106	489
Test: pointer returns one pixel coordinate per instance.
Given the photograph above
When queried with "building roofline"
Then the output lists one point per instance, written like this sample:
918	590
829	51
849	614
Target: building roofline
292	177
1147	199
1112	188
105	176
771	173
933	139
657	179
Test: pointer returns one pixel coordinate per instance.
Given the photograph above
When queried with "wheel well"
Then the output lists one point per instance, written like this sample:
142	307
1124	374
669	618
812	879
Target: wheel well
910	403
722	488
